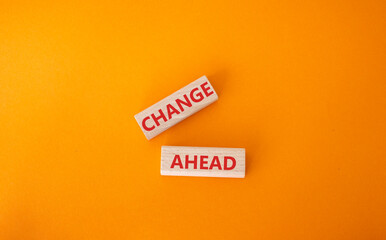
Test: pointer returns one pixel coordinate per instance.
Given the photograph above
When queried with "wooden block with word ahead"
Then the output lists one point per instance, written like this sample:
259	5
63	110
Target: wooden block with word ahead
203	161
176	107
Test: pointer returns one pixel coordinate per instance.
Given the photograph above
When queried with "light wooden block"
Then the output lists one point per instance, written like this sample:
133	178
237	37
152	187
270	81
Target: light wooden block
176	107
203	161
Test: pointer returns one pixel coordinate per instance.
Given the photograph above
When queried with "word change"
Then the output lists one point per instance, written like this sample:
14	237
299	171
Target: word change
176	107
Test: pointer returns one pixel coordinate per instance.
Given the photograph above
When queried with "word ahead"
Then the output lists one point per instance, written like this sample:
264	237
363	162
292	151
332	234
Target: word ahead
203	161
176	107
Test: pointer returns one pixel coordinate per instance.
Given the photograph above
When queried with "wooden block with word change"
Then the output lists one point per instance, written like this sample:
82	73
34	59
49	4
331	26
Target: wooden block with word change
176	107
203	161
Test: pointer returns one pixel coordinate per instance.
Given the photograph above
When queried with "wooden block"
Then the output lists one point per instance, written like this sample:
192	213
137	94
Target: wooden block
203	161
176	107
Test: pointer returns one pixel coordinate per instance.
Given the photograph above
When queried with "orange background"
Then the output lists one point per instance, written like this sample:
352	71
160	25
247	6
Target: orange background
301	86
